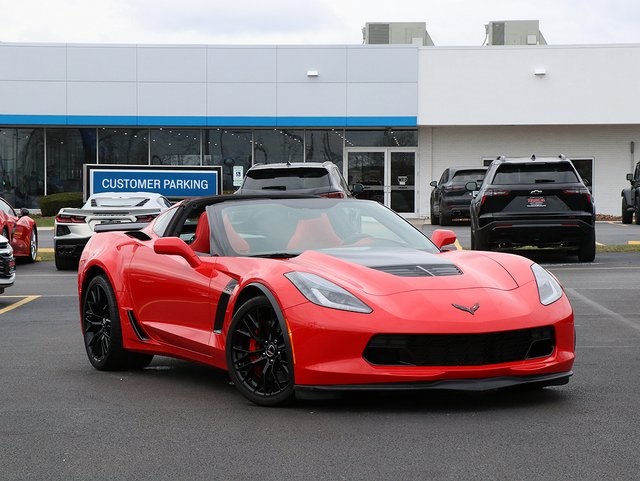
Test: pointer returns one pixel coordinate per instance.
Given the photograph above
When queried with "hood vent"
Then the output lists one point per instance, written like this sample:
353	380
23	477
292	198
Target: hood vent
424	270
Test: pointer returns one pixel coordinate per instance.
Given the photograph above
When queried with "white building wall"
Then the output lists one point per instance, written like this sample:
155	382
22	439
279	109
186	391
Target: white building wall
607	145
595	84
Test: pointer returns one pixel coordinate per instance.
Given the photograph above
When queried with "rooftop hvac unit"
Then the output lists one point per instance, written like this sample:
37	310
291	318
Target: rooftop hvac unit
396	33
514	32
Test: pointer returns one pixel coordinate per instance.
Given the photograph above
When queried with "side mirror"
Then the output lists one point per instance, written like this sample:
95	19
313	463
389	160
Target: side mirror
357	188
433	183
177	247
443	237
630	177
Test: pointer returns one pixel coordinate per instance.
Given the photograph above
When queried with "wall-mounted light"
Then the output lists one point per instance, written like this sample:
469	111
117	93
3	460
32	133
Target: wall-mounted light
540	71
312	73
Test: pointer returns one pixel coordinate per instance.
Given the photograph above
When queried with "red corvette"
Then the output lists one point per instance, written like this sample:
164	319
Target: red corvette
21	231
291	293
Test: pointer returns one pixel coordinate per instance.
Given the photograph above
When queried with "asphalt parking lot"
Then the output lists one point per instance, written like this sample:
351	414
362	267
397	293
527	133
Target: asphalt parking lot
62	420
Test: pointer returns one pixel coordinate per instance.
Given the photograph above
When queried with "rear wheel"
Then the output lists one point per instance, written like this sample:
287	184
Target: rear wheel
637	211
587	252
258	358
444	218
103	332
627	215
33	246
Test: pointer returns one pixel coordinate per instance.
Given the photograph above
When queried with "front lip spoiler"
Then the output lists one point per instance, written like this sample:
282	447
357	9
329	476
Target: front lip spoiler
478	385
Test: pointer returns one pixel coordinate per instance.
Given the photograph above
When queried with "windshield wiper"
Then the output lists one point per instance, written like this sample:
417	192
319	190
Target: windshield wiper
276	255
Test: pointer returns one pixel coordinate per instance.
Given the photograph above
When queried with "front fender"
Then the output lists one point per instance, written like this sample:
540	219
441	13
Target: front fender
628	197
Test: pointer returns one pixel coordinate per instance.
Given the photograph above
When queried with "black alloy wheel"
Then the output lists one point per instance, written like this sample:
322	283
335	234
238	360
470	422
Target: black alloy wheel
258	356
627	215
102	330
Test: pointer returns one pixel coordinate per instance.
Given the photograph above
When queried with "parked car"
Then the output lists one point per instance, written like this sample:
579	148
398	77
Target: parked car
7	264
315	178
20	230
540	202
74	227
450	198
292	293
631	197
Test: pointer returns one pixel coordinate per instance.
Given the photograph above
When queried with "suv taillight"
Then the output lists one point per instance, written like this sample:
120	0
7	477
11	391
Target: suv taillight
74	219
493	193
579	191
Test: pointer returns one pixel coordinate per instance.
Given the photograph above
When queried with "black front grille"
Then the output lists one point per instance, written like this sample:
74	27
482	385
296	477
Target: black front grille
460	349
7	265
423	270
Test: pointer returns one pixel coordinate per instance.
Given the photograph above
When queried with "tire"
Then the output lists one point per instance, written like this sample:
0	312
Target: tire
587	251
102	331
64	263
435	220
627	216
258	355
637	211
33	247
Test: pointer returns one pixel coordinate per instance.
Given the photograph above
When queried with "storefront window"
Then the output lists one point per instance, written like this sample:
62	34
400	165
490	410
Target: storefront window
381	138
67	151
277	145
175	147
228	148
323	145
123	146
22	166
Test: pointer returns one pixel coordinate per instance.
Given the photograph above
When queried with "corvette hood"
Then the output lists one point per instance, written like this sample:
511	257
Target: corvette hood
384	271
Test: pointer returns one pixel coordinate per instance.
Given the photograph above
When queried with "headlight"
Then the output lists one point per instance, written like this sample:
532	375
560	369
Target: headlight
325	293
549	289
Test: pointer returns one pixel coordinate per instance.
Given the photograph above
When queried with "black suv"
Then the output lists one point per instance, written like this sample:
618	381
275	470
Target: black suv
314	178
539	202
449	198
631	197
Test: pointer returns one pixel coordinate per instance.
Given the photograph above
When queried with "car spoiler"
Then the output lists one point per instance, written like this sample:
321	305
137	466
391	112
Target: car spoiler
120	226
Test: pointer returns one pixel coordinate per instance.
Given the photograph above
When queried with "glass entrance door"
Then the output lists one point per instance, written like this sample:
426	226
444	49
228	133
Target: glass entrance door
387	174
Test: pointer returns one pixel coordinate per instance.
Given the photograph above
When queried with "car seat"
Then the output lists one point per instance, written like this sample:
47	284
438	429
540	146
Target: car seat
314	233
202	238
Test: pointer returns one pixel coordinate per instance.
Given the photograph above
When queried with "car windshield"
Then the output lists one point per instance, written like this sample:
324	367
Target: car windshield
538	173
287	178
287	227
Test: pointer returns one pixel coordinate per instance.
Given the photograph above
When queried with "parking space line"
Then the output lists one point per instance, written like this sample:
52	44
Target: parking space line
458	245
607	312
633	243
23	301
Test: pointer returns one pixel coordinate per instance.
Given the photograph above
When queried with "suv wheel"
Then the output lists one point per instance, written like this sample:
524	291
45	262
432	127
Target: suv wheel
627	215
435	219
587	251
637	211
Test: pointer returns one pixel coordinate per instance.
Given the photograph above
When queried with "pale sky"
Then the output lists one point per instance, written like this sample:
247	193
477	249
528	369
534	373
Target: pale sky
306	22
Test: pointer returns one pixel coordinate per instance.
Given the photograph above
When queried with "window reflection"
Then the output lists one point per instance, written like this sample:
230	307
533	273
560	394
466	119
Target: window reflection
175	146
67	151
123	146
323	145
278	145
228	148
381	138
22	166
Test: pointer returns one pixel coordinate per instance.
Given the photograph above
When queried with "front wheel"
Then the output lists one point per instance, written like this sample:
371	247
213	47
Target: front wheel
435	219
103	332
627	215
258	357
637	211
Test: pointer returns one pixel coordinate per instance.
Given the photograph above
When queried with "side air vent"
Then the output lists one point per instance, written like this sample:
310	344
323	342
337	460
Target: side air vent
425	270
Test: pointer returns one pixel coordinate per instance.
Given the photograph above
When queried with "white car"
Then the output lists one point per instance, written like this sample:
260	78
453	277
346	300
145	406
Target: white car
74	227
7	264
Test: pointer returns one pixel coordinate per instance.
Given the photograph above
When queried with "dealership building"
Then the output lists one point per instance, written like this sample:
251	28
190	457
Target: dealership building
392	113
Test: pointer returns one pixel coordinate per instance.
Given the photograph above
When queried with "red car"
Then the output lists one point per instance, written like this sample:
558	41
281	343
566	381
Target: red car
305	293
21	231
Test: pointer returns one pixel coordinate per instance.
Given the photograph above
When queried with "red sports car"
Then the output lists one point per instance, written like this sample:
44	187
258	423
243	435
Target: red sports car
291	293
21	231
